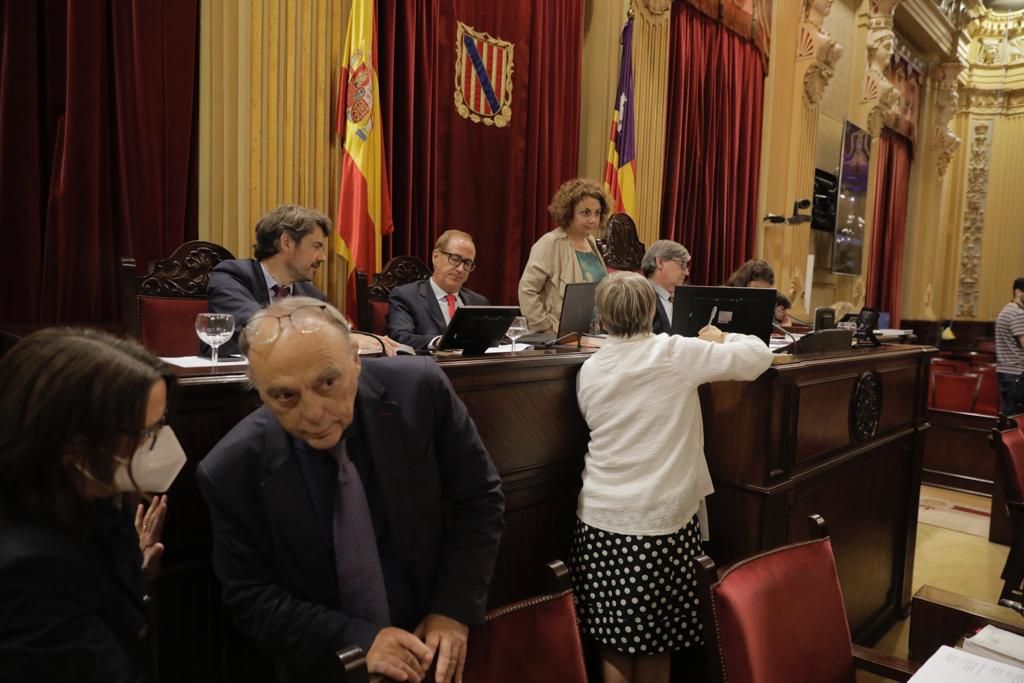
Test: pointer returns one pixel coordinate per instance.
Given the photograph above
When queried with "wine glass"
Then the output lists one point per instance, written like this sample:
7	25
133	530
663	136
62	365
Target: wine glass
215	329
516	330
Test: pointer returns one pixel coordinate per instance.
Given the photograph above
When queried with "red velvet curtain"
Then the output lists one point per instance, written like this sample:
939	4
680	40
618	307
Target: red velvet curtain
97	132
715	100
447	171
892	185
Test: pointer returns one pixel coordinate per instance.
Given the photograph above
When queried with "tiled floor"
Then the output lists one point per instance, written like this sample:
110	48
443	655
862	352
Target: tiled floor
951	560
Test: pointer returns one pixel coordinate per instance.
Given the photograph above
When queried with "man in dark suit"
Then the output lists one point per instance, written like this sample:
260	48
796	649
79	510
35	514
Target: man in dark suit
358	506
666	265
290	247
419	312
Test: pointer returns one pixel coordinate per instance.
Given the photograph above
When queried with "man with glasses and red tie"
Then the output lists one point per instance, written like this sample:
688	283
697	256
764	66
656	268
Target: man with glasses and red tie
357	506
419	312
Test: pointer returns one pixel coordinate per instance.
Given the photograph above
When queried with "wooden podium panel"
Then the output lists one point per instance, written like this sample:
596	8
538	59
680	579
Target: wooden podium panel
789	444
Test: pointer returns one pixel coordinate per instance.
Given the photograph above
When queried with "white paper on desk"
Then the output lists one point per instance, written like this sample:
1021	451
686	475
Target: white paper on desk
995	643
950	664
200	362
507	348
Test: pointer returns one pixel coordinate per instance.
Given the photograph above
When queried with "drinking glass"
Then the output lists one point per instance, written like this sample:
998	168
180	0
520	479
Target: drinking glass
215	329
516	330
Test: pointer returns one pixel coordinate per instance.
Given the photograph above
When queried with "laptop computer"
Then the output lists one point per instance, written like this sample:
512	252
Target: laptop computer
577	314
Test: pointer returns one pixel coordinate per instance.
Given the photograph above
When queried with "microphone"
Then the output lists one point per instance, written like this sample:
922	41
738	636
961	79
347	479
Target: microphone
784	331
798	320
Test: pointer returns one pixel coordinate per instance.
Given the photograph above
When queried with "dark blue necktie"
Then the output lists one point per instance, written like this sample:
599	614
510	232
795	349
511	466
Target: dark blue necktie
360	577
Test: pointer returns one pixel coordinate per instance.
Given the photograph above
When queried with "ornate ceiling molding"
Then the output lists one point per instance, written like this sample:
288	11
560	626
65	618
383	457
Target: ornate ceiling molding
987	102
974	219
818	45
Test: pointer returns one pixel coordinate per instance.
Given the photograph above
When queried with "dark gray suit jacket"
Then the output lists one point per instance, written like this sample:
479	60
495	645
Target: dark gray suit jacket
443	505
414	316
239	288
661	323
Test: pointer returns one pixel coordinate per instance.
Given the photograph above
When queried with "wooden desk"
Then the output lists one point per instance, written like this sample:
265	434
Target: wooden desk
938	617
780	448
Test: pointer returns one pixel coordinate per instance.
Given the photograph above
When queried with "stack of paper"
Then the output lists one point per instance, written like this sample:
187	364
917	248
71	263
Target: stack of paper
997	644
950	665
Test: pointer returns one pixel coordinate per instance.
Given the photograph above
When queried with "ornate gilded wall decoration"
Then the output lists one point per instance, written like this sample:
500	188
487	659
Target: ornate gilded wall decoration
483	77
945	142
929	297
817	44
974	219
881	98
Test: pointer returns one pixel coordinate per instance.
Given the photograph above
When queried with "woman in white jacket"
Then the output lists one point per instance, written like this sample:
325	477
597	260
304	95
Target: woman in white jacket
645	473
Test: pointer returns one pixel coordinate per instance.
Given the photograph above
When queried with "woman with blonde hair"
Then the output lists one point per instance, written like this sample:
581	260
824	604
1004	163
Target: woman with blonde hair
644	475
566	255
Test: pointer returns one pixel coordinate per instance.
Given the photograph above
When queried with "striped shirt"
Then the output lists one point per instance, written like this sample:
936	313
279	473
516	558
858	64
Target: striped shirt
1009	326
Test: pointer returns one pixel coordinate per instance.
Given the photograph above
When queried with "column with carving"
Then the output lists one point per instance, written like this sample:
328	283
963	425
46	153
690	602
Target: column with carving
973	219
881	99
945	142
787	246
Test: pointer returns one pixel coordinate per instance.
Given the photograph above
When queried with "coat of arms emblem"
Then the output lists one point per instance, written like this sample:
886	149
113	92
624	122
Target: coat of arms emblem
359	100
483	77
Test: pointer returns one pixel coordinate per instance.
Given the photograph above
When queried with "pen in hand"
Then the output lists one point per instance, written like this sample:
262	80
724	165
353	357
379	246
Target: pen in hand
714	312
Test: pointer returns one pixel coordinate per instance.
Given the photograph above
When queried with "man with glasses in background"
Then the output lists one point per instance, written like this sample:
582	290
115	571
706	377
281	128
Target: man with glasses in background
419	312
666	265
358	506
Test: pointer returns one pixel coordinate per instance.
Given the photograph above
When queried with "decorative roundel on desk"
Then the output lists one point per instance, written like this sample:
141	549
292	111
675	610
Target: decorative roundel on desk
866	406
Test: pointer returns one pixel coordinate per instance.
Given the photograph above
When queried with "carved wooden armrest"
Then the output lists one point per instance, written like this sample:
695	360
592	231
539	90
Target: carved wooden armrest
893	668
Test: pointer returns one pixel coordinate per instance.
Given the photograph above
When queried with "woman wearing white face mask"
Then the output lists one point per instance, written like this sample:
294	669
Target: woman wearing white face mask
81	421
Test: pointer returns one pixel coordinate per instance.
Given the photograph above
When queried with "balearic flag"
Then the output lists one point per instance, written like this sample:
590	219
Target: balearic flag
620	170
364	203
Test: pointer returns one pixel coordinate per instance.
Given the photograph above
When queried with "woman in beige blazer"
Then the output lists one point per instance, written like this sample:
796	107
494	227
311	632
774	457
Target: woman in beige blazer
566	255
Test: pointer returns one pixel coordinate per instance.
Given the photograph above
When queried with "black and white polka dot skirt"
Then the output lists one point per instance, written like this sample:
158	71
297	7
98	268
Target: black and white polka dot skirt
637	594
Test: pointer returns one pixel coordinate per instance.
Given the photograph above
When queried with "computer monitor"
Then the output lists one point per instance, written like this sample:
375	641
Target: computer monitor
577	308
884	320
745	310
824	318
576	318
474	329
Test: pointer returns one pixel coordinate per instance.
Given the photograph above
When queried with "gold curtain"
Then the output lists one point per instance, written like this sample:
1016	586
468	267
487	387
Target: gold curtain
268	88
650	73
1002	257
602	28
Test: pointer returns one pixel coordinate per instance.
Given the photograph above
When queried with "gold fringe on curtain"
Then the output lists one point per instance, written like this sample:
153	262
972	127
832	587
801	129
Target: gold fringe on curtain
268	88
650	73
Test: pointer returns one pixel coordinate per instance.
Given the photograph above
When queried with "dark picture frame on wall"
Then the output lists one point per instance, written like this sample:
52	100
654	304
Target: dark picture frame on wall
851	204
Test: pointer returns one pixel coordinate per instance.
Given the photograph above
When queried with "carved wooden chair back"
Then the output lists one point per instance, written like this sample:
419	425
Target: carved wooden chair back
160	307
372	297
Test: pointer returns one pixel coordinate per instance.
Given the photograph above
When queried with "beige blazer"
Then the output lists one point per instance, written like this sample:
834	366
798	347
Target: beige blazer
552	265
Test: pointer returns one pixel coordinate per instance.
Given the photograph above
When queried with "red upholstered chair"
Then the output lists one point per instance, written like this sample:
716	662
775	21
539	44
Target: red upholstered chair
533	640
372	297
779	617
621	247
955	392
987	402
1008	443
947	365
160	307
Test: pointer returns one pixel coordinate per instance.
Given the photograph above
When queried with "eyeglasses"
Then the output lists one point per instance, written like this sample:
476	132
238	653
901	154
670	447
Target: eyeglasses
456	260
263	328
150	435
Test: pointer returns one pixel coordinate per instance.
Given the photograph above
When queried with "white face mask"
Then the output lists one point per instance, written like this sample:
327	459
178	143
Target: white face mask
153	469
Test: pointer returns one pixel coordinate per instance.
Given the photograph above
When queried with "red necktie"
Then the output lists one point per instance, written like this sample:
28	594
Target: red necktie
450	298
281	291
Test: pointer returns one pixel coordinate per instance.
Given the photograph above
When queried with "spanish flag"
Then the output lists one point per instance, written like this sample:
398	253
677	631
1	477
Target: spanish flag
364	203
620	170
